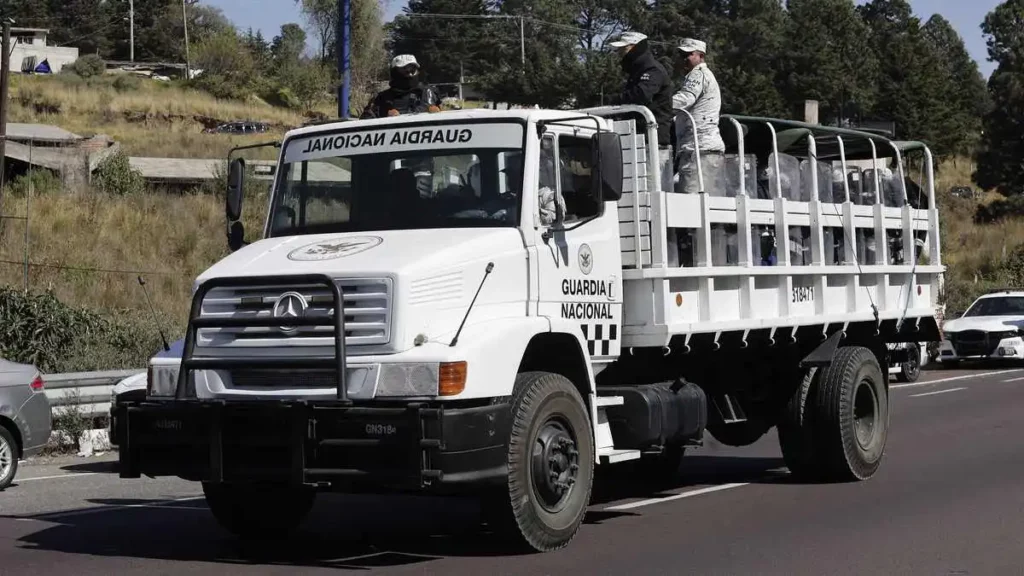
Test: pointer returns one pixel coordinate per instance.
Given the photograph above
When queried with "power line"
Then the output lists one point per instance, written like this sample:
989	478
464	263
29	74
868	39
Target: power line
87	269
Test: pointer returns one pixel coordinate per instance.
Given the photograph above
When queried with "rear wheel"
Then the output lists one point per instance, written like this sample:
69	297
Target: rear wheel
910	370
550	464
258	511
836	425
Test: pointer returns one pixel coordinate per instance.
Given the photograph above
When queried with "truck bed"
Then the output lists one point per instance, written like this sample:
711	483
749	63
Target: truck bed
824	275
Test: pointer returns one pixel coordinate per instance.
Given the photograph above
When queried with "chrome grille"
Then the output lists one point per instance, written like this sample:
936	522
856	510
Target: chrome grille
367	306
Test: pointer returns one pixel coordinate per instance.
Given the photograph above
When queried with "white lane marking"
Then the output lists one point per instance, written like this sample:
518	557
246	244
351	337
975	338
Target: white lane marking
110	508
954	378
1013	380
77	475
649	501
938	392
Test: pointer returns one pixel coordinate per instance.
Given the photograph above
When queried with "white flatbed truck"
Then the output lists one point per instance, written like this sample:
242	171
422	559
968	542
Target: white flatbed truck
421	315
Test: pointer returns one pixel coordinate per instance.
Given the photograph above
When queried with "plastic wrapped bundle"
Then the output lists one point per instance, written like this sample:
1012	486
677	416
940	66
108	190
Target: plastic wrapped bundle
824	191
789	168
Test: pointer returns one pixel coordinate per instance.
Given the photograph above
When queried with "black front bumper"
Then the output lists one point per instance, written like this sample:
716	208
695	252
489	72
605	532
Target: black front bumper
341	446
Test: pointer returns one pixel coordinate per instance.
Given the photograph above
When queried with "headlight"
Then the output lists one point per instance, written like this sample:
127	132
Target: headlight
161	381
422	379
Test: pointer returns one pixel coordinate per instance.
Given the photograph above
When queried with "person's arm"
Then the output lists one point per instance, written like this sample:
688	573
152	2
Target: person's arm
693	86
643	92
372	108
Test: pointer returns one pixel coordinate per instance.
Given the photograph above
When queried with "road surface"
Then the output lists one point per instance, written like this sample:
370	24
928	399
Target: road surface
948	500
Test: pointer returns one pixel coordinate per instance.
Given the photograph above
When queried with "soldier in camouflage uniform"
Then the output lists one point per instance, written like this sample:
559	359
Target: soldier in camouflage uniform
701	97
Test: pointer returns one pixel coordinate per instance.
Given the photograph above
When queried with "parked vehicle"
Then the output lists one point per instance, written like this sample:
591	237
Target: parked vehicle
501	303
992	328
133	388
25	419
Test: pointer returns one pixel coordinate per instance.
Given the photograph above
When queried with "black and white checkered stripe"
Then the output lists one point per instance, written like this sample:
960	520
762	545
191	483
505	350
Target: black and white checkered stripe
600	337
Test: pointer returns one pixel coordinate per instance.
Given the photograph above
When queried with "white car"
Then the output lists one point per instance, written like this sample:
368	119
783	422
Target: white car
134	387
991	329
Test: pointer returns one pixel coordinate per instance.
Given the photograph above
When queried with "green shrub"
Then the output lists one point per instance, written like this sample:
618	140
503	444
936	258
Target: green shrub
86	66
39	181
126	83
37	328
115	175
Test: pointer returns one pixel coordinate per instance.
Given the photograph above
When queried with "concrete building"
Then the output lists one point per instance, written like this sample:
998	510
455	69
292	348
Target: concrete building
29	49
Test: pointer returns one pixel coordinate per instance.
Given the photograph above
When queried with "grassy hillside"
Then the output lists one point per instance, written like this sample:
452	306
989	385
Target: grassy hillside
147	117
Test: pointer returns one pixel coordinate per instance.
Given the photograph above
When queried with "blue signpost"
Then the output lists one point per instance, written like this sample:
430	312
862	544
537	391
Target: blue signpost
342	50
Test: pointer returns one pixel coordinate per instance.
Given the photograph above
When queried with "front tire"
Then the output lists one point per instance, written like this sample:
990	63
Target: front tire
8	458
258	511
550	464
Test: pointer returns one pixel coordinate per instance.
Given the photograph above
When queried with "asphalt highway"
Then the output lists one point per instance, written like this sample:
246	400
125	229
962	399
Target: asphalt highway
948	499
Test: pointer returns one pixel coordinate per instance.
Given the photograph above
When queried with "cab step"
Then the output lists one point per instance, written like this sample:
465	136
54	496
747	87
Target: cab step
612	455
610	401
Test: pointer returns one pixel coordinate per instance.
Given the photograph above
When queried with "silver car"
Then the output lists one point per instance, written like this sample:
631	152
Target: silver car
24	417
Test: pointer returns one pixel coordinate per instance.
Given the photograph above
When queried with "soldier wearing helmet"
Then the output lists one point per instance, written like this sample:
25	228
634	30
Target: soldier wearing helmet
406	94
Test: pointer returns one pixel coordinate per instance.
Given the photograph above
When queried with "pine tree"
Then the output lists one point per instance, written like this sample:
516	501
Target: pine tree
914	86
747	64
969	98
826	59
1001	157
446	48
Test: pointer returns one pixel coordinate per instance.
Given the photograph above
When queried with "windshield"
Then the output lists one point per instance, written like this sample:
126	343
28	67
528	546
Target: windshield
400	178
1001	306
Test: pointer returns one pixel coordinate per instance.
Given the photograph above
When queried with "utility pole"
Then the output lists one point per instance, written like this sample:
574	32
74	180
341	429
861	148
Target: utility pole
188	60
5	65
131	30
341	49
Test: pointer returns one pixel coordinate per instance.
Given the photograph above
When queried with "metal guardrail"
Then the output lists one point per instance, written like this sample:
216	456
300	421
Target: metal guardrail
88	391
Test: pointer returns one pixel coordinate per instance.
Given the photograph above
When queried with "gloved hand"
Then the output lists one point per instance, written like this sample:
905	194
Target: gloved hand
433	108
393	112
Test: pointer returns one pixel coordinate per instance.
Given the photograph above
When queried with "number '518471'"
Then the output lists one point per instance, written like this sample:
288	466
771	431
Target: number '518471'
803	293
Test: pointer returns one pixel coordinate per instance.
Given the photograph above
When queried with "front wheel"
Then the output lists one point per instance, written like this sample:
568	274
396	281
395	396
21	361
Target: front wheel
258	511
550	463
8	458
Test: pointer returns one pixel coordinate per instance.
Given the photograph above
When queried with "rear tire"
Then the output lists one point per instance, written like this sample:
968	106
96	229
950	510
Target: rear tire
795	435
550	464
258	511
910	370
836	425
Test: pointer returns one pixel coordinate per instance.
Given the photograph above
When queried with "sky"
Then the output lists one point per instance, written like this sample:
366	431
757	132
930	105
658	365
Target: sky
965	15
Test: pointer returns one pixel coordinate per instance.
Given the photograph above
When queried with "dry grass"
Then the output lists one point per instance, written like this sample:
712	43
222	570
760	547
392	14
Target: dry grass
159	119
167	239
98	97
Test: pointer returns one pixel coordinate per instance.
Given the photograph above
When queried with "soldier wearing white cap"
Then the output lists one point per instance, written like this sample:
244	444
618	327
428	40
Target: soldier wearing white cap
647	84
702	98
406	94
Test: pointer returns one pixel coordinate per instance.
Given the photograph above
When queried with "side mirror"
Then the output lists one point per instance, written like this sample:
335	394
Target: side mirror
236	236
236	184
606	167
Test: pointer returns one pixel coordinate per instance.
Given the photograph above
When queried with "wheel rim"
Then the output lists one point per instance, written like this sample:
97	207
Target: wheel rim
6	458
865	413
913	363
555	464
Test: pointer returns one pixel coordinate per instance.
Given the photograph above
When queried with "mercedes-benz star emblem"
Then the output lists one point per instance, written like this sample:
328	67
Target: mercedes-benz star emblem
290	305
